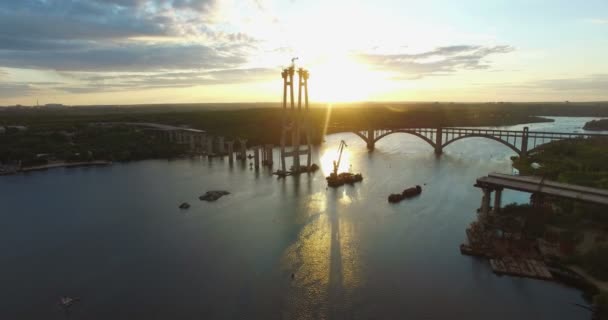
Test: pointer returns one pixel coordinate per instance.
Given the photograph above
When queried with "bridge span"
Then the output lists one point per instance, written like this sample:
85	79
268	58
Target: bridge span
521	142
496	182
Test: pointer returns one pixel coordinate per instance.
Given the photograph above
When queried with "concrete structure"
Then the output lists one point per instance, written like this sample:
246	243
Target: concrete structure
295	120
243	150
522	142
496	182
230	145
209	145
267	155
220	146
256	156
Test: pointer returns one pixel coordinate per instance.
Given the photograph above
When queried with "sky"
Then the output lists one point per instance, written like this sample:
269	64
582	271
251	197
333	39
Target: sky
187	51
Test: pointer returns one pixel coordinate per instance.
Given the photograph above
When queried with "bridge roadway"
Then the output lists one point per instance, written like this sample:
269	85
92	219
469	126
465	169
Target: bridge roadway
521	142
536	185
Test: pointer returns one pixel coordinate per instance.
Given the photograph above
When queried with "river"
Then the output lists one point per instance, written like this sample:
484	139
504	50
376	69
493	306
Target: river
114	237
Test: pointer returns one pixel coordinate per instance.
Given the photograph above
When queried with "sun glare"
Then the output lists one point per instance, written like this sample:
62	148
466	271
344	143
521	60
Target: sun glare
330	155
339	78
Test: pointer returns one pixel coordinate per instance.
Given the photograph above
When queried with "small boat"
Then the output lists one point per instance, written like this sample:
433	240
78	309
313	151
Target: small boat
407	193
67	302
184	205
395	197
411	192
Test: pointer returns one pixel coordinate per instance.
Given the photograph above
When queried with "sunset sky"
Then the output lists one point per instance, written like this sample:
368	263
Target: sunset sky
165	51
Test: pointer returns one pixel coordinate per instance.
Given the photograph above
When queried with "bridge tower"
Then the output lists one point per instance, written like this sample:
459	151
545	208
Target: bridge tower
295	121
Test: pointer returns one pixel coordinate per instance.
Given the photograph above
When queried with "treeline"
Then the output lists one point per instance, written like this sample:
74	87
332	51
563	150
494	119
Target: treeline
84	143
67	133
262	125
578	161
597	125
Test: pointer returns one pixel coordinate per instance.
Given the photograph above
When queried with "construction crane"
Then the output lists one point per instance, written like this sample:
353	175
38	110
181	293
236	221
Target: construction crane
337	164
335	180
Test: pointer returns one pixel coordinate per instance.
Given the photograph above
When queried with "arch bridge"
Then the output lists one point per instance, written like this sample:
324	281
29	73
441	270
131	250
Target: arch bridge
521	142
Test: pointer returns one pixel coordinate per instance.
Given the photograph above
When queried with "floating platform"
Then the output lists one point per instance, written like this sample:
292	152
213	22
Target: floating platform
406	194
527	268
343	178
303	169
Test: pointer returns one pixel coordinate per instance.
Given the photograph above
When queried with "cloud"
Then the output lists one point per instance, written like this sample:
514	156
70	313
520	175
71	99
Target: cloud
11	89
117	35
138	81
128	57
593	83
442	60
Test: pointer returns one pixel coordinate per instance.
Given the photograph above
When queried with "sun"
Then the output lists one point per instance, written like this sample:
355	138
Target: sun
338	78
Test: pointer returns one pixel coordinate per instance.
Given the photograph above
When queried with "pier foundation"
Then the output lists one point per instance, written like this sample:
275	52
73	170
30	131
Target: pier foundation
210	146
220	146
267	155
256	157
497	200
230	145
243	149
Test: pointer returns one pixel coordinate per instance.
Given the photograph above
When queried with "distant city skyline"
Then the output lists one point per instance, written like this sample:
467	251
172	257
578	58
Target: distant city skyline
186	51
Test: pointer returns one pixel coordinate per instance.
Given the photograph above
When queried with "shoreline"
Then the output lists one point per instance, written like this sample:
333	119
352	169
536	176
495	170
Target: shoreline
65	165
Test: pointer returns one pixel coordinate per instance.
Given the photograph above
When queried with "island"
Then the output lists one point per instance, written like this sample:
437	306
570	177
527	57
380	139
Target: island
597	125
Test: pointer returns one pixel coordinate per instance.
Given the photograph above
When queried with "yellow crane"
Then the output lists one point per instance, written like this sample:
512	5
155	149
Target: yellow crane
336	179
337	164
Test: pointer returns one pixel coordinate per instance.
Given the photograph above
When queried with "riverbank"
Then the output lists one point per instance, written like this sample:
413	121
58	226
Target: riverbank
63	164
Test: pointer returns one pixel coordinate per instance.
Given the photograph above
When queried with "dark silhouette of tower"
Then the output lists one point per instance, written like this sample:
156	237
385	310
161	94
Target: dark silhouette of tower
295	120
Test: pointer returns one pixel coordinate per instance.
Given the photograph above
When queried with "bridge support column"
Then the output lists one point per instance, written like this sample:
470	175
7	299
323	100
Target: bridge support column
191	141
220	145
485	203
210	146
371	140
524	144
243	153
268	161
256	157
497	200
230	152
439	141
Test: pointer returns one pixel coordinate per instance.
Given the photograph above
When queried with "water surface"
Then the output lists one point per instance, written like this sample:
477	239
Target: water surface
114	237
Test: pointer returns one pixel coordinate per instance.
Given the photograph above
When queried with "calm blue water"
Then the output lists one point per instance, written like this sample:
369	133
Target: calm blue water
115	238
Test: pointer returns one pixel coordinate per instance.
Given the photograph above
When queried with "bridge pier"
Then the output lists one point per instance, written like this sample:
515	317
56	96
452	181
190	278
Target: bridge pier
485	202
209	146
220	145
497	200
256	157
371	140
243	153
230	151
439	141
267	155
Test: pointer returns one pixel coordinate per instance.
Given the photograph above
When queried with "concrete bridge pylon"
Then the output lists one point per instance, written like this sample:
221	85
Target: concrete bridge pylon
295	120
